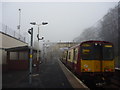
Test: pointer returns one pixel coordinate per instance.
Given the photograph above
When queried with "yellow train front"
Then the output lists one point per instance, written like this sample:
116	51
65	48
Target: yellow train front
97	60
93	60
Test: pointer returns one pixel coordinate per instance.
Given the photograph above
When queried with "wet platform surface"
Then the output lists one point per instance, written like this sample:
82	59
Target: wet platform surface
49	75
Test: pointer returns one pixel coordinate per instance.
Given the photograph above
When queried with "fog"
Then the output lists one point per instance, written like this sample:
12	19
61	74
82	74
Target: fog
66	20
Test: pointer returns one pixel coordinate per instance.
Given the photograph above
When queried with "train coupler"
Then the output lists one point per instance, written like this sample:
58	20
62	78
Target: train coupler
100	82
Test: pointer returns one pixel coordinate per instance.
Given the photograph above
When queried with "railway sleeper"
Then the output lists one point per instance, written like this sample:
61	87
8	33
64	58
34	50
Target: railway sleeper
97	81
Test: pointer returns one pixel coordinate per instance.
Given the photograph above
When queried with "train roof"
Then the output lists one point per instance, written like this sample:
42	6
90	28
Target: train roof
95	41
74	46
90	41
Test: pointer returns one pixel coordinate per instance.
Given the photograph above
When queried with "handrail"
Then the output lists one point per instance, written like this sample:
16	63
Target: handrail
9	31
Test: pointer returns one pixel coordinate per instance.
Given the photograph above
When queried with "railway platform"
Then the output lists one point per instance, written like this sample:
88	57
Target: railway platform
51	74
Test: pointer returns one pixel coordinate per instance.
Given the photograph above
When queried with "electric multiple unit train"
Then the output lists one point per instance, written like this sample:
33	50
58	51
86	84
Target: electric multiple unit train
91	60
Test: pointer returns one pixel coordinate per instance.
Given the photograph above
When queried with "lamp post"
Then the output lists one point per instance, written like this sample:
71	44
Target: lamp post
19	26
34	23
118	31
30	31
43	50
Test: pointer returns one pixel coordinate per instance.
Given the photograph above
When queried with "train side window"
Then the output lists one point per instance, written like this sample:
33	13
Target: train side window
69	56
73	54
64	55
76	55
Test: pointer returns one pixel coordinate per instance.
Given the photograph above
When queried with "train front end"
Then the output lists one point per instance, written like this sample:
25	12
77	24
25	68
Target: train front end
97	60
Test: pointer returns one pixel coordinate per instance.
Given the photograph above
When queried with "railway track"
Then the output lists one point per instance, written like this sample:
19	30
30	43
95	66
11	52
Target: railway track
115	80
114	84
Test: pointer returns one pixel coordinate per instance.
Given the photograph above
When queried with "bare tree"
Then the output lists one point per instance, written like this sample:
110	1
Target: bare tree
106	29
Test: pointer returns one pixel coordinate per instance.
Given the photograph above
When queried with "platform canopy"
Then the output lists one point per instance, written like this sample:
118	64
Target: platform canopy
20	48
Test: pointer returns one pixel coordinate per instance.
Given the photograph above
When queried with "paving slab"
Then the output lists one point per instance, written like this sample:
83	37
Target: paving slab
49	75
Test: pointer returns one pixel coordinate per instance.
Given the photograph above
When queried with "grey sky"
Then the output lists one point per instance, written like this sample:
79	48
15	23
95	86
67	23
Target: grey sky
66	19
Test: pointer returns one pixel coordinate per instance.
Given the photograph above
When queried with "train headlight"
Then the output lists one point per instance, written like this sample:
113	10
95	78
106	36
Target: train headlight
86	69
108	70
96	44
89	69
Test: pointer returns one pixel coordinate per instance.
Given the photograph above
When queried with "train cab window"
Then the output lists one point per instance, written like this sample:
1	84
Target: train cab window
86	53
97	51
108	52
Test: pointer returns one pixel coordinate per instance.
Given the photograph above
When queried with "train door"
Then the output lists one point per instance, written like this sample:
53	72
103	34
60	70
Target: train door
66	56
108	62
74	58
98	57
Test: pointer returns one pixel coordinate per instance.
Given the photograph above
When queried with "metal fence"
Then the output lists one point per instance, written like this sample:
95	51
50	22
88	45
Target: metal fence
7	30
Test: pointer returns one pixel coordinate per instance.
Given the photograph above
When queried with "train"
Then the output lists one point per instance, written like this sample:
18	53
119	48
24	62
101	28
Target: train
93	60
